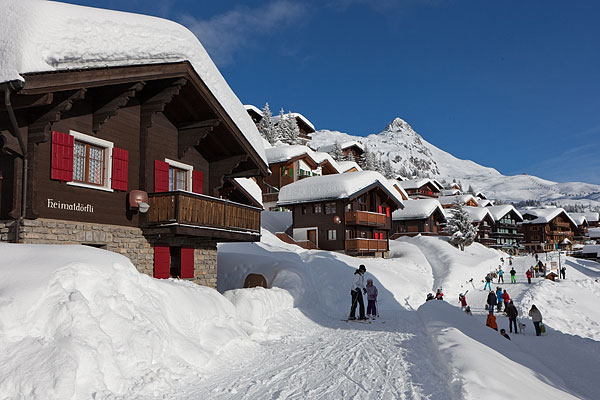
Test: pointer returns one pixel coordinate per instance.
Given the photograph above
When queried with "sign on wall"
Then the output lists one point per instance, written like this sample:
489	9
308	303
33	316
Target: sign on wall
76	207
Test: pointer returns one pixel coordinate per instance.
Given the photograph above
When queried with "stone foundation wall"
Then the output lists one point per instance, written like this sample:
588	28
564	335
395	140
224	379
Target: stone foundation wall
127	241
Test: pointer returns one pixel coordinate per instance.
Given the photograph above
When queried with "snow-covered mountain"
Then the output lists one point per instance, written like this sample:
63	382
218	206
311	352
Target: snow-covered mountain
412	155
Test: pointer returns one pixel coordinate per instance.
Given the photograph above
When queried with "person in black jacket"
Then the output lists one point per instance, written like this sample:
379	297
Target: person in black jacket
512	313
491	301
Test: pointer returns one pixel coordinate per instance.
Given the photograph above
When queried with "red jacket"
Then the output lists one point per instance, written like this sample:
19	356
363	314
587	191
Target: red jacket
505	297
528	273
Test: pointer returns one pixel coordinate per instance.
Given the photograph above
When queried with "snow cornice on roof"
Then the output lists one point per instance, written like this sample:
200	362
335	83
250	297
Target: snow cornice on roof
545	215
42	36
336	187
286	153
498	212
418	209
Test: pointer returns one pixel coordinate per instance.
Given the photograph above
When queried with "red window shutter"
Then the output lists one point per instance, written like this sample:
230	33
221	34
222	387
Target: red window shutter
197	181
62	156
380	210
161	176
162	262
120	169
187	262
387	211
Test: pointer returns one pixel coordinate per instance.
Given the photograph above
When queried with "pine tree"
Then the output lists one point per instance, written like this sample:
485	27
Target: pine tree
266	126
461	230
471	190
289	131
388	170
370	160
336	153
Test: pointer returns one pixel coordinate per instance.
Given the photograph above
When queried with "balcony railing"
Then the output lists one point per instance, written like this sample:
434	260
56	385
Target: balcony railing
366	218
201	211
270	197
366	245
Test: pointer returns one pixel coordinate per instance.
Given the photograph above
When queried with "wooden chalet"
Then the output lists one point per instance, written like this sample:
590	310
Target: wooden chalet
424	217
290	164
546	229
505	230
304	125
136	159
483	220
254	112
351	150
347	212
421	188
580	235
464	199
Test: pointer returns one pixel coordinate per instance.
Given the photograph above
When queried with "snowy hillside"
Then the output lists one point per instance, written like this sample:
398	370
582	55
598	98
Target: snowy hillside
410	154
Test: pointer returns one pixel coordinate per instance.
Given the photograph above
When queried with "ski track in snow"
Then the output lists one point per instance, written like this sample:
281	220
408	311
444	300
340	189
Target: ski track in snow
342	360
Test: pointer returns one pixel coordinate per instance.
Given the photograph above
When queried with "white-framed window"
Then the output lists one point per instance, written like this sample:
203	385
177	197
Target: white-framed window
331	234
92	167
180	176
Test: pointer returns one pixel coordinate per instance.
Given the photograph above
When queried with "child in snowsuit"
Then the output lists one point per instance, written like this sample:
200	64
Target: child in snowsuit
462	299
491	321
503	333
488	282
528	274
513	278
505	298
371	299
439	295
500	275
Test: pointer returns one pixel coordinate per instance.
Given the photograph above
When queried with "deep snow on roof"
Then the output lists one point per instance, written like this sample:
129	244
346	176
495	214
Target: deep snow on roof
40	36
333	187
417	209
286	153
484	202
545	215
348	165
343	146
594	233
396	184
296	115
463	198
250	186
578	218
417	183
589	216
477	214
500	211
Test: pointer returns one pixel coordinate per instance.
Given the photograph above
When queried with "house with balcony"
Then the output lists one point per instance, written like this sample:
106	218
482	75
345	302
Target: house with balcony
424	217
482	219
421	188
547	229
349	213
505	230
290	164
580	235
140	155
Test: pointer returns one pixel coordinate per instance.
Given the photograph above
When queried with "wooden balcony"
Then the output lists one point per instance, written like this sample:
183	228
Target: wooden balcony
366	245
366	218
270	197
197	215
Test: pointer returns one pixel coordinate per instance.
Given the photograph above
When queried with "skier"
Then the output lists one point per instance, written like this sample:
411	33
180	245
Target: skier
439	295
512	313
528	274
491	321
462	299
536	317
500	274
513	278
505	298
499	298
371	299
491	301
488	282
357	284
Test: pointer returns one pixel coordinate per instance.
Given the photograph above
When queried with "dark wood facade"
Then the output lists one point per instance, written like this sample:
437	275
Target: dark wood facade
151	113
505	233
425	191
359	225
432	225
548	236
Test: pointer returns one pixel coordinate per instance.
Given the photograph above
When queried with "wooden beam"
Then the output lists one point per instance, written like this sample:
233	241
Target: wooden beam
222	168
244	174
191	137
9	144
200	124
39	126
117	98
36	100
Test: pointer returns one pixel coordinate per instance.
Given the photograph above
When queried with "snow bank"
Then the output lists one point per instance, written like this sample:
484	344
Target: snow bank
78	322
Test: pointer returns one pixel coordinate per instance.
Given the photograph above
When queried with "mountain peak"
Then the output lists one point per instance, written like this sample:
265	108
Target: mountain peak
398	124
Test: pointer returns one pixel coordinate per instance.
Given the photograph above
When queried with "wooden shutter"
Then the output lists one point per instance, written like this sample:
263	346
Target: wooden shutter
387	211
162	264
120	169
187	262
161	176
197	181
62	157
380	209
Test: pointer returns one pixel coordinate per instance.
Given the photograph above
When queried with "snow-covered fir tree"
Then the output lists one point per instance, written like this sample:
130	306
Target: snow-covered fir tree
266	126
369	160
289	131
461	230
388	170
336	152
470	190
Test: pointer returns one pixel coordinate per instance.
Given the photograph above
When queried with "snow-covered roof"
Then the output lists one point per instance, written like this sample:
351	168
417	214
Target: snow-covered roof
591	249
481	195
417	209
484	202
343	146
41	36
438	184
335	186
589	216
594	233
296	115
477	214
579	218
251	187
348	165
462	198
396	184
250	107
417	183
500	211
450	192
545	215
287	152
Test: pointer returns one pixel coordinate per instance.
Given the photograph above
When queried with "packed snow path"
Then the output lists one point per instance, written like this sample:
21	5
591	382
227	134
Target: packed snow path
387	359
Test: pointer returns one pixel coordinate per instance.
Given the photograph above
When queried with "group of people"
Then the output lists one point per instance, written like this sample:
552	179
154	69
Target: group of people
356	291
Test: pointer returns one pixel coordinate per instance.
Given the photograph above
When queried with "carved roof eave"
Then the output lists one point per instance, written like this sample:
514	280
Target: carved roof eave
39	83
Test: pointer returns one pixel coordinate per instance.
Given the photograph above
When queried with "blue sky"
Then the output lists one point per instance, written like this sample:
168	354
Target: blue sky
513	85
